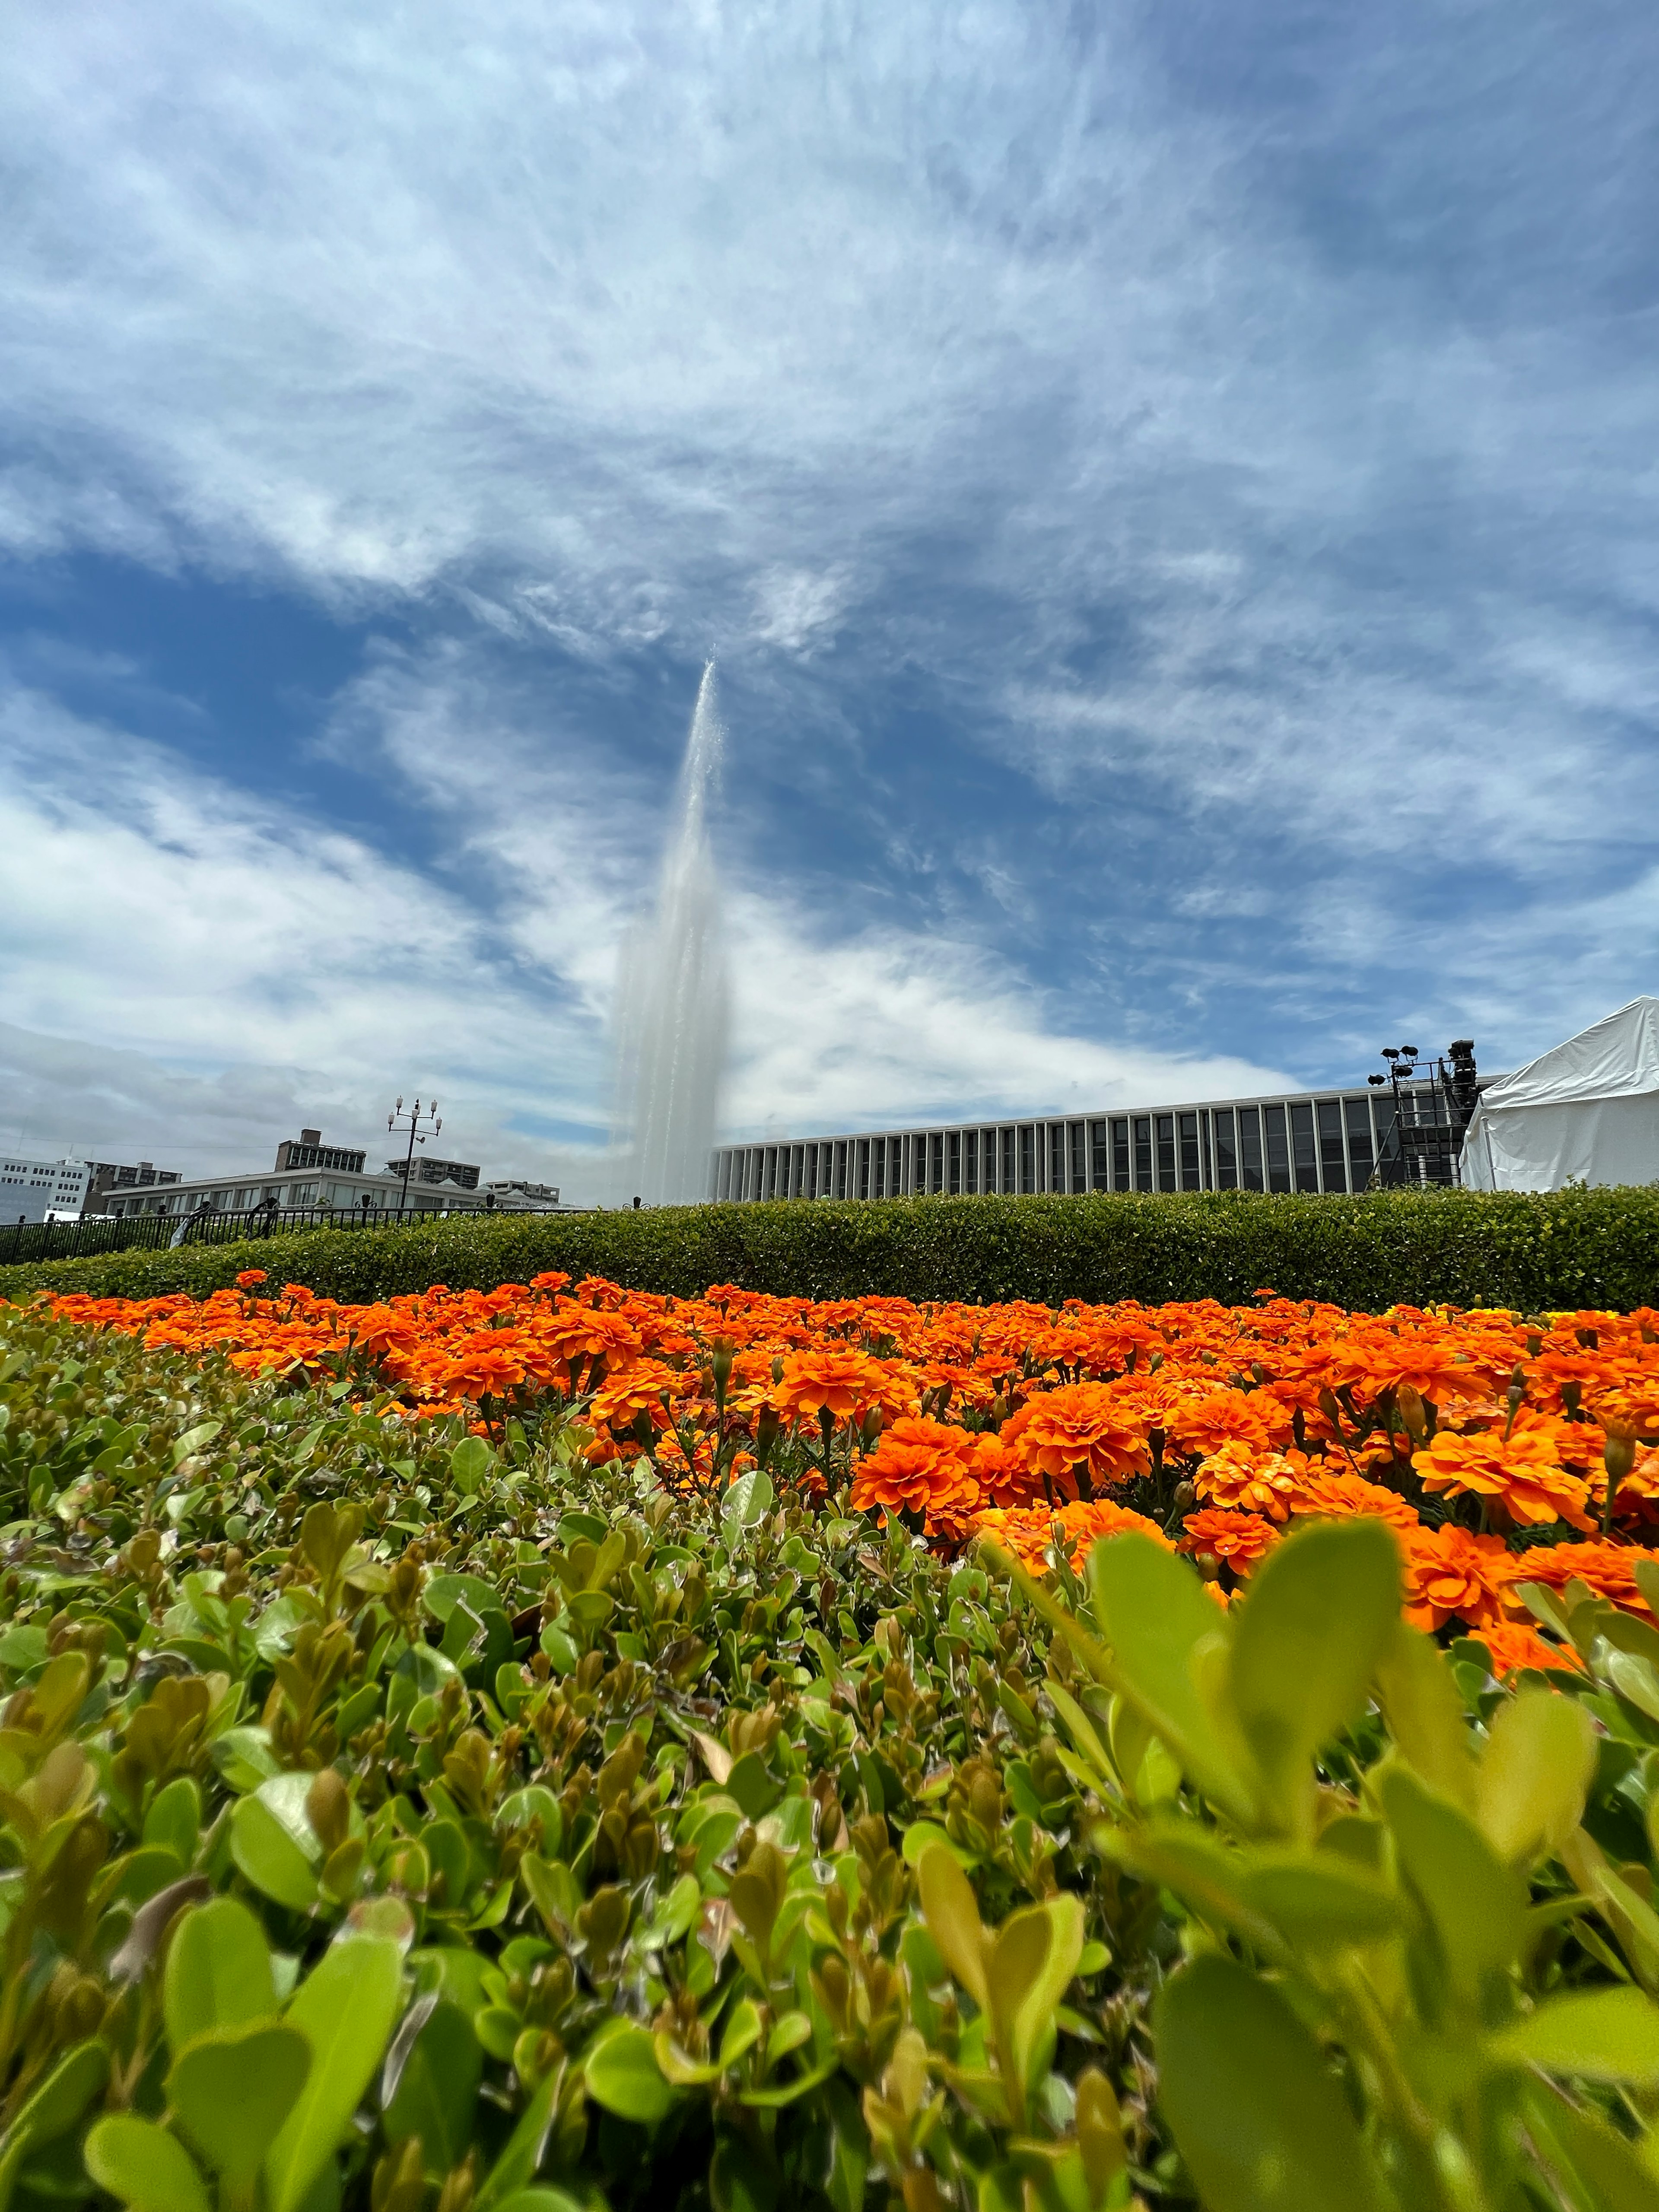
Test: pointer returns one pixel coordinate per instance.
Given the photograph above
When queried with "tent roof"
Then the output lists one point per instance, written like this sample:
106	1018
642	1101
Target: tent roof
1617	1057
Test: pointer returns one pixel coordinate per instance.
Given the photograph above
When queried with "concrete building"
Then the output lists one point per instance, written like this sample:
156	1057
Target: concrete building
309	1150
43	1190
1311	1141
309	1176
512	1196
462	1173
108	1177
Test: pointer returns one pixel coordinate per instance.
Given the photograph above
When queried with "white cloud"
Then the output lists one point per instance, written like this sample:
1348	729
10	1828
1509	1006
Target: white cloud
1276	472
288	971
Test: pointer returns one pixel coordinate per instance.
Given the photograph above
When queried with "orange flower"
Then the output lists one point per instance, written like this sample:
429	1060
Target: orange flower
1074	1529
1524	1473
834	1378
1513	1645
1239	1540
1334	1493
1608	1569
1452	1575
1219	1417
249	1277
1250	1481
917	1466
1076	1430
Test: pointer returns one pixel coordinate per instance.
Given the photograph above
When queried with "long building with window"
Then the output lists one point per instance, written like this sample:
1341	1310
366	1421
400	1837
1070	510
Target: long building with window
1316	1141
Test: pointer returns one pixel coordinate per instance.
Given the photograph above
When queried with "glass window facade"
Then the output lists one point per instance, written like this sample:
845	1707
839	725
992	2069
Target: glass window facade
1305	1165
1307	1143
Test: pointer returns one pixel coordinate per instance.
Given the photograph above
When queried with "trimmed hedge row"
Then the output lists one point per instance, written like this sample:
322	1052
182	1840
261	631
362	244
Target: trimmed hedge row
1529	1251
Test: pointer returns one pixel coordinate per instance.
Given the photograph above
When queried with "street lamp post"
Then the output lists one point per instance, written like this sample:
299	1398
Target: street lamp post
414	1115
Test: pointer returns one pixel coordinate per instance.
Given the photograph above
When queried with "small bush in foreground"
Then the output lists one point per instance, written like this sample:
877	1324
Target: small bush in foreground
1572	1247
396	1816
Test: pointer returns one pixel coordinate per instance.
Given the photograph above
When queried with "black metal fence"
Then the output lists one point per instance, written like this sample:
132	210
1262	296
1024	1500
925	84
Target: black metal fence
97	1232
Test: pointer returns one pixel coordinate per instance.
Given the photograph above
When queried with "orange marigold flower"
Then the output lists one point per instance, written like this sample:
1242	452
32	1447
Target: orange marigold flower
1513	1645
1075	1529
1239	1540
249	1277
1608	1569
1450	1574
1249	1481
835	1377
1204	1424
918	1465
1077	1430
1335	1493
1523	1473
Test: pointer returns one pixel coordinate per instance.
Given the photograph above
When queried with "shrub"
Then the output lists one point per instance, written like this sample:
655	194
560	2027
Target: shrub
391	1816
1572	1247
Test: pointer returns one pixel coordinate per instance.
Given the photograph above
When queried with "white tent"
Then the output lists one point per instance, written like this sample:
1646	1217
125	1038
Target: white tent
1585	1112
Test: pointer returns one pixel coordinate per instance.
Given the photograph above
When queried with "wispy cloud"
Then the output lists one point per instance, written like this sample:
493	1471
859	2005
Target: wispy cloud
1171	492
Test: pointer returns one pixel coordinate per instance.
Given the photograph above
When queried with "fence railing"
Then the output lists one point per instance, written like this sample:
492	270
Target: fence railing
95	1233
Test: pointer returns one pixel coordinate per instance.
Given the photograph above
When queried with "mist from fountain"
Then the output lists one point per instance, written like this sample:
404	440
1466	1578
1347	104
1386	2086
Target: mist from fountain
672	1003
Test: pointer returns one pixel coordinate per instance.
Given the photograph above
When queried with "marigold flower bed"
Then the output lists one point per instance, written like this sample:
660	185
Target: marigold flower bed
1489	1442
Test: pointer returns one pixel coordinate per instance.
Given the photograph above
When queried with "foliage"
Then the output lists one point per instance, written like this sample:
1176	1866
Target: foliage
397	1816
1572	1247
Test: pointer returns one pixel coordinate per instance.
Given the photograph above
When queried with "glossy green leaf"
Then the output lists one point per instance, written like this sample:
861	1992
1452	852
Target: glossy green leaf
265	1851
1610	2174
346	2006
1597	2035
71	2086
1320	1615
1425	1713
952	1916
232	2089
1320	1902
142	2165
436	2093
1540	1755
1475	1902
1259	2117
469	1464
1033	1957
622	2074
174	1819
218	1971
1154	1616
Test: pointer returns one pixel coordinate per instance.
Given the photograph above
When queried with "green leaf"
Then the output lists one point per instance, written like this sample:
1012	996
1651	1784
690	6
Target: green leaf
174	1819
1610	2173
622	2074
232	2089
952	1916
1594	2035
1425	1713
1540	1755
1476	1903
346	2005
1321	1902
218	1971
1034	1956
143	2166
1154	1615
266	1853
1319	1616
746	1503
63	2096
1255	2111
469	1463
436	2091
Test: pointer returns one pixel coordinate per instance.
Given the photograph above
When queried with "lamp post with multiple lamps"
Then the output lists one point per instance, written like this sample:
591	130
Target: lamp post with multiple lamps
414	1115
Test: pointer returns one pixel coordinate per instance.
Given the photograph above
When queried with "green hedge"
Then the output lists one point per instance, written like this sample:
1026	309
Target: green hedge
1572	1247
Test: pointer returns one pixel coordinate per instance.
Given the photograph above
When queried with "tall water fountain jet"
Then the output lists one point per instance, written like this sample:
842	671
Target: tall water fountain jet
672	1012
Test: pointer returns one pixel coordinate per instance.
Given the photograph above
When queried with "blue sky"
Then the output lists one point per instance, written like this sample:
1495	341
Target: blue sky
1171	490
